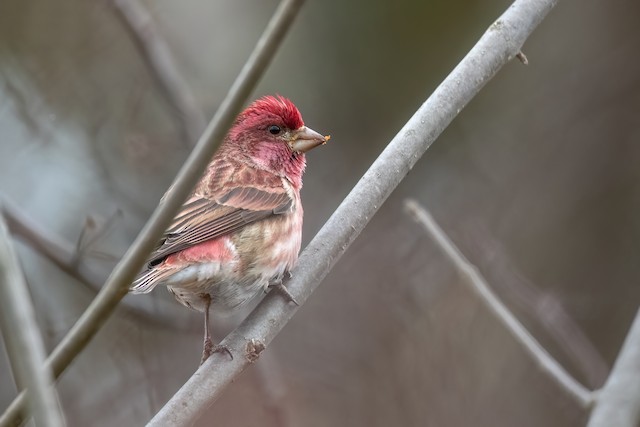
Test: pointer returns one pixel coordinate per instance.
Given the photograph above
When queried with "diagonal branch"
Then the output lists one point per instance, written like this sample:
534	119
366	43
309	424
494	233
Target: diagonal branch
66	258
23	339
118	283
478	284
160	62
619	400
60	252
541	306
502	41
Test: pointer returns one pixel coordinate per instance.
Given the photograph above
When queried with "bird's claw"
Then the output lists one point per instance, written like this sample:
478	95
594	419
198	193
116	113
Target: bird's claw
282	290
209	349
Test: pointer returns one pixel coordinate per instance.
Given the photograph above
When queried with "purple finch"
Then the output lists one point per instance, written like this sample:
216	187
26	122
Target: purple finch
240	229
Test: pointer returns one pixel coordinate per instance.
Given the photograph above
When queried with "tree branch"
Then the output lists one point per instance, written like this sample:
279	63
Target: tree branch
60	252
22	336
478	285
66	258
541	306
618	402
160	62
502	41
118	283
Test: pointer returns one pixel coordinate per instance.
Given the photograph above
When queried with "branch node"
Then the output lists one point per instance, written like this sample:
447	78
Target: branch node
522	57
253	350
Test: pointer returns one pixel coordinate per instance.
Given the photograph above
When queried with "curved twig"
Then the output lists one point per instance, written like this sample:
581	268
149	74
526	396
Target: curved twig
502	41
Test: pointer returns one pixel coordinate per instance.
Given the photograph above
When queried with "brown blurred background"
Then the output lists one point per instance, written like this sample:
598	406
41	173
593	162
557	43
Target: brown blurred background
537	181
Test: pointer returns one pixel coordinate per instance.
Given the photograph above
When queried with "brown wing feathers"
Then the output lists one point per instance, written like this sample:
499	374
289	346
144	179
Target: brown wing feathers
214	210
202	219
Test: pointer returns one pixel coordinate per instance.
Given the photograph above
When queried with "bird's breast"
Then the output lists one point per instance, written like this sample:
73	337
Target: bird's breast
271	247
262	252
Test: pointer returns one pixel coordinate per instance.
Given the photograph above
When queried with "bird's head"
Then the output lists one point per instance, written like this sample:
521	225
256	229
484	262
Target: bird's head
272	133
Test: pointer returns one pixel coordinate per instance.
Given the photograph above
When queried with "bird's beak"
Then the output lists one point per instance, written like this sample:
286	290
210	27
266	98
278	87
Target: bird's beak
305	139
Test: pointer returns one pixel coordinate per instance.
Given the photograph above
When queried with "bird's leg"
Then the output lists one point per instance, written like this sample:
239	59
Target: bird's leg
208	347
282	290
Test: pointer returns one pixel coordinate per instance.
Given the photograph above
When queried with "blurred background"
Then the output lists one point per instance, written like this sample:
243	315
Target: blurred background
537	181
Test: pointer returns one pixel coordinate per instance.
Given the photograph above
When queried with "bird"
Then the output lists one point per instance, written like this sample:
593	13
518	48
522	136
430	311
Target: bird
240	230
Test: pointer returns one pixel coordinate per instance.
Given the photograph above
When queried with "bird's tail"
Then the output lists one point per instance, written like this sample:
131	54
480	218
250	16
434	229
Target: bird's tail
147	280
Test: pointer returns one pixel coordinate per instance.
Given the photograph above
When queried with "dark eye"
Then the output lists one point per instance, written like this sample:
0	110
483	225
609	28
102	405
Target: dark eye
274	130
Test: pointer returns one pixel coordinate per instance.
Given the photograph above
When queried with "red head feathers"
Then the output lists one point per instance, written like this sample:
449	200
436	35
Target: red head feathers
278	106
276	109
272	134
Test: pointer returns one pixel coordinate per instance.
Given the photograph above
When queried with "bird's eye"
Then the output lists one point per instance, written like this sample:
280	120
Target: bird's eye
274	130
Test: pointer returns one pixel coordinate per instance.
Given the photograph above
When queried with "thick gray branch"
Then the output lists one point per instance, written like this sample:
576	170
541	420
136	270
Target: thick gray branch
618	403
22	337
501	42
118	283
478	284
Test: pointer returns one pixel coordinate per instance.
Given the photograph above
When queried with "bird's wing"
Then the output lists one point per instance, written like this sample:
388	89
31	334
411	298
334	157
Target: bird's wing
204	218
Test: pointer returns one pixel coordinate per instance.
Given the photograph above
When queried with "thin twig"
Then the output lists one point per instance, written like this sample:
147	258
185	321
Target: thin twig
477	284
156	53
542	306
22	337
118	283
65	257
496	47
523	58
88	239
58	251
618	402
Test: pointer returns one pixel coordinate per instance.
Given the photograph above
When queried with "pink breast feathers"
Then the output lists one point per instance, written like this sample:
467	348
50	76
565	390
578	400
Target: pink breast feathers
221	250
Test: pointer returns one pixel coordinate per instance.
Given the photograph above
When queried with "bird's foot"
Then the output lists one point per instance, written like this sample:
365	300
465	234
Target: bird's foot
282	290
209	349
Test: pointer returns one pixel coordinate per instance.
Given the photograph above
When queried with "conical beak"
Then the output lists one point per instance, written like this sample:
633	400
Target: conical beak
305	139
